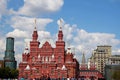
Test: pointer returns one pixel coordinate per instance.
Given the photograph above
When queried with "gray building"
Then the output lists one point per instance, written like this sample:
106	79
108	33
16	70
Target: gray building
9	59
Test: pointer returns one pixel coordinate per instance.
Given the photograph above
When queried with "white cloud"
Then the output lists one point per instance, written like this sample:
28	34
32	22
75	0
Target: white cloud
67	29
27	24
18	34
80	39
2	44
39	7
22	32
44	35
3	7
23	25
18	58
86	42
2	48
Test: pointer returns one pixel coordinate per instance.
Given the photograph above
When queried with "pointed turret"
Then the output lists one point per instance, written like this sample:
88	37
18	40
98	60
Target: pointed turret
83	65
64	67
35	34
26	51
60	44
34	44
83	59
27	67
69	50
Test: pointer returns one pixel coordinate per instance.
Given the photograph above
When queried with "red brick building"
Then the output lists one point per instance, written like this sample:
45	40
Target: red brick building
88	71
47	60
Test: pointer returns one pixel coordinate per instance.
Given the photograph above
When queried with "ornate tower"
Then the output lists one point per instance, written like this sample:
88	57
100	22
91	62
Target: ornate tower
34	44
60	45
83	59
9	58
83	65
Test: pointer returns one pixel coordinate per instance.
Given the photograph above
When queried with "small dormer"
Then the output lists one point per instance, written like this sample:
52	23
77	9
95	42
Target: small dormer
64	68
39	56
26	51
27	67
69	50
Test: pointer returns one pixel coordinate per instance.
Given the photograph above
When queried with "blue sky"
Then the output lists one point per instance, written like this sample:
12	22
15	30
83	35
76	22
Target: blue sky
87	23
91	15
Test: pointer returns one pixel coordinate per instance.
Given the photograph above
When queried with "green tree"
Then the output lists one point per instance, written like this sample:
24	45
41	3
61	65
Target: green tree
116	75
13	73
8	73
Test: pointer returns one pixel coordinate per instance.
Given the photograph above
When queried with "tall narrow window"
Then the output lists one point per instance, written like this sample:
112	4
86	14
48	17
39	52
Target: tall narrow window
46	59
49	58
43	59
33	59
59	59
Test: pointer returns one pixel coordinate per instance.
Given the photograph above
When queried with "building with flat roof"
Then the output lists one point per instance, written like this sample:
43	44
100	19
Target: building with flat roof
100	56
112	67
9	58
114	59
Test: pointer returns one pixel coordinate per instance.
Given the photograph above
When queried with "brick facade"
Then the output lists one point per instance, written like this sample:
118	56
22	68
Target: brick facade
55	62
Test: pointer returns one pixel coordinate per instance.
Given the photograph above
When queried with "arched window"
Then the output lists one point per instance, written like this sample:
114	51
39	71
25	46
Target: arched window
46	59
52	71
59	59
43	59
58	73
49	58
33	59
26	75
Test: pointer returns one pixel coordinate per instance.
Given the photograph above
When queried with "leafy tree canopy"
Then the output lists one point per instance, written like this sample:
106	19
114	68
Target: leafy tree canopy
8	73
116	75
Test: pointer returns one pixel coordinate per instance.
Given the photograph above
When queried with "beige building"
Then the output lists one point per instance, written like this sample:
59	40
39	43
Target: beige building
100	56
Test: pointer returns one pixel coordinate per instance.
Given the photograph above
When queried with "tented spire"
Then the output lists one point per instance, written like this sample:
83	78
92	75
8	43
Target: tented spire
35	26
83	59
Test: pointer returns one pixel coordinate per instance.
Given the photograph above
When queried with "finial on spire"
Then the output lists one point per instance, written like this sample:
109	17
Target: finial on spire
35	25
26	44
60	23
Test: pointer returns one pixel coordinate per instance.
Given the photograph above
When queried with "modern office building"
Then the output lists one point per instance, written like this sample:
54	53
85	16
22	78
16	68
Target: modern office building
9	59
100	56
45	60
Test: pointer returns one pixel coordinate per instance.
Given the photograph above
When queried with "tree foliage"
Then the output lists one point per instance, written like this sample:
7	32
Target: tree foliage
8	73
116	75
